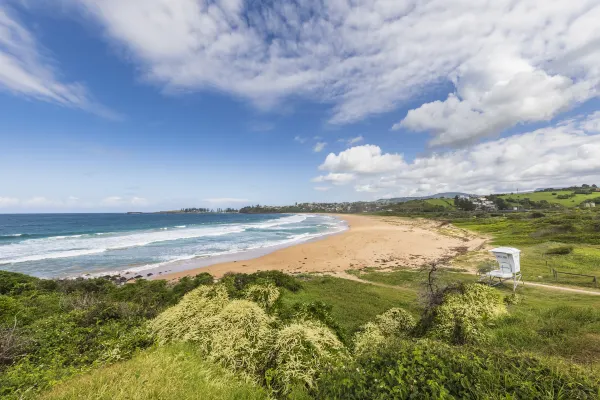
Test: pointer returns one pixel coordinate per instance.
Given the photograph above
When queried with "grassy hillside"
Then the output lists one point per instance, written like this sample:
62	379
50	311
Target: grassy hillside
542	237
549	323
446	203
352	303
169	372
553	197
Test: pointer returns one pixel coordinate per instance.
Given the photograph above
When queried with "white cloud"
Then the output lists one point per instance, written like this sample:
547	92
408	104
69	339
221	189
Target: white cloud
322	188
334	178
352	141
226	200
26	71
494	93
549	157
362	159
525	60
8	202
319	146
300	139
355	140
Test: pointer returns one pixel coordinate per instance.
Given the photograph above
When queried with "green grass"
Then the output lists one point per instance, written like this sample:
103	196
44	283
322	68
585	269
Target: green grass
553	199
578	229
409	279
546	322
353	303
172	372
448	203
553	323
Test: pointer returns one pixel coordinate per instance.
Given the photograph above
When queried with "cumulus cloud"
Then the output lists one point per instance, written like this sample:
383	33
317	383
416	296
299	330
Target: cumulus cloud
526	60
494	93
549	157
300	139
365	159
335	178
319	147
26	71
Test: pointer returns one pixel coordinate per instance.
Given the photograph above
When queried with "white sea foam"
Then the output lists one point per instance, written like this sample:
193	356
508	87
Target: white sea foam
88	245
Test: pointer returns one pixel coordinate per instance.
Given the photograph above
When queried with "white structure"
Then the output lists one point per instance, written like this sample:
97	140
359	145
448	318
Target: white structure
509	260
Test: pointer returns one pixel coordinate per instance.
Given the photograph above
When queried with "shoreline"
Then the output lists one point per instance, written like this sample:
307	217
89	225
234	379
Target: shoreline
369	241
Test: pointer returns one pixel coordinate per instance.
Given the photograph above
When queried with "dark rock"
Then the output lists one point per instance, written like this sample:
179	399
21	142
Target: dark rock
150	274
137	277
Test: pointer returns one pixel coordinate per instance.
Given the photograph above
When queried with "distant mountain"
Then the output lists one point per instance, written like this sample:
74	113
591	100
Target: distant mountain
449	195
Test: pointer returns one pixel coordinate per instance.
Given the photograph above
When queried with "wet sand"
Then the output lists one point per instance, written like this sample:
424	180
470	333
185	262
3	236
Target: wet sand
370	241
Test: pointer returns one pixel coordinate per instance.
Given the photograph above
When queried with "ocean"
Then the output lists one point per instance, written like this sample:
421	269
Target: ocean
69	245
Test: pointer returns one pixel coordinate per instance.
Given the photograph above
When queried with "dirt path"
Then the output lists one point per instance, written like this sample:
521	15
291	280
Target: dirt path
345	275
561	288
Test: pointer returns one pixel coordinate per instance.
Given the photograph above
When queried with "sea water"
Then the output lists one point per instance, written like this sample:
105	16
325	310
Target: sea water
66	245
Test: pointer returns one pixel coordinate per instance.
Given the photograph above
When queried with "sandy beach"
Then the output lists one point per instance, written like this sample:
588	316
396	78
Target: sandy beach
370	241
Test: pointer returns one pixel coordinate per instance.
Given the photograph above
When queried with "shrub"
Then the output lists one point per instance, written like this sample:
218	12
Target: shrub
236	284
51	329
236	333
431	370
395	322
304	350
313	311
560	250
264	295
189	317
537	214
13	283
239	337
464	311
13	344
368	338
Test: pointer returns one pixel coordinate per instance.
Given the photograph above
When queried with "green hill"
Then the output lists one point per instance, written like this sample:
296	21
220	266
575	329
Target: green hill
565	198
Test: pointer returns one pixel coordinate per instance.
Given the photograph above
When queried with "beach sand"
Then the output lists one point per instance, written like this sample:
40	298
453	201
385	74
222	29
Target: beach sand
370	241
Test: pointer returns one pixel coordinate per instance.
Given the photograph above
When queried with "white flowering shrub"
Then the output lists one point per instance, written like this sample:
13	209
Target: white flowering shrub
302	351
264	295
395	322
190	315
240	337
368	338
462	316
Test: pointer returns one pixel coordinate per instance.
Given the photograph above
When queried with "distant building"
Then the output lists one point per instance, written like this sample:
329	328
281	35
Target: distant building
589	205
482	203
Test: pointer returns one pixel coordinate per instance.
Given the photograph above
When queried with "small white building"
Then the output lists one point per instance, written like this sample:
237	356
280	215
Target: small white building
589	205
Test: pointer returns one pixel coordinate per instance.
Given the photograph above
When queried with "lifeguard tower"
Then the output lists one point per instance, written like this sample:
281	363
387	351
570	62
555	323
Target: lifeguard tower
509	260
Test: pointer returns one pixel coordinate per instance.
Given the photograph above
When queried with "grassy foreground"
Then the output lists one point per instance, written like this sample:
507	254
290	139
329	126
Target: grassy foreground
168	372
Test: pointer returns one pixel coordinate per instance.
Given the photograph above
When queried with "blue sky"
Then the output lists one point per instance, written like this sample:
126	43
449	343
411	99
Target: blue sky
110	105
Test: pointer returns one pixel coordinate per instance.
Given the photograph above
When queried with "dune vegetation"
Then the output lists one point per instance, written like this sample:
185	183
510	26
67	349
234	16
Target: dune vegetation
270	335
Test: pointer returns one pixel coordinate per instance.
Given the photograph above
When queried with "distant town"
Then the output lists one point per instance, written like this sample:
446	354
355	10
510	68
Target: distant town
584	196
